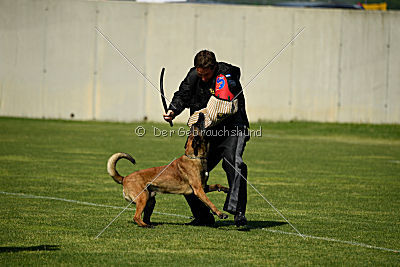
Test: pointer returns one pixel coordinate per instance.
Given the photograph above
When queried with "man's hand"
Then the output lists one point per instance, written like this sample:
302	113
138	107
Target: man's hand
169	116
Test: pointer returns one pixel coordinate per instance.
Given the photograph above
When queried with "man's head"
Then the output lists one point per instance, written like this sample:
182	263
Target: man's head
205	64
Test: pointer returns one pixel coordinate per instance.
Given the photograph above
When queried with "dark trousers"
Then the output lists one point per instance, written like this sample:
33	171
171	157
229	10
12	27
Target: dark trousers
230	150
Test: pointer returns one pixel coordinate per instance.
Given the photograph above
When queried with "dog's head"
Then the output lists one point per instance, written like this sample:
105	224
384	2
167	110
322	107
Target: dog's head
196	143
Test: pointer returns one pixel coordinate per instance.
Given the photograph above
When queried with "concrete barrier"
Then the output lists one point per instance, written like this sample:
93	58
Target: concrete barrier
344	67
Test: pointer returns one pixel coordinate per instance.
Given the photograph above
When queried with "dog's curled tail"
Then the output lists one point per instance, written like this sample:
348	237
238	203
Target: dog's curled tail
112	163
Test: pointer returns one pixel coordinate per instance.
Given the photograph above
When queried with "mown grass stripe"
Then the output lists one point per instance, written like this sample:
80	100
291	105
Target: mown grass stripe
187	217
84	203
334	240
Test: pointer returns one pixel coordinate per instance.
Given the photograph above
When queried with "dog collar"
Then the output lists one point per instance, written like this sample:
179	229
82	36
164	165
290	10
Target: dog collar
193	157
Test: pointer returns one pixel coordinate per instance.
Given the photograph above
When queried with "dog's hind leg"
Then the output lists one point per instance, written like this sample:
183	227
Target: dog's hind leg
141	201
148	210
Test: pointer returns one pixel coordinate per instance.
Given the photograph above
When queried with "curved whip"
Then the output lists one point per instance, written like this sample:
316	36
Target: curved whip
163	94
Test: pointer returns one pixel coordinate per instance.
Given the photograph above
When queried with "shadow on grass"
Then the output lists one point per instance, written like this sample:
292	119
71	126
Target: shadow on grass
250	225
32	248
222	224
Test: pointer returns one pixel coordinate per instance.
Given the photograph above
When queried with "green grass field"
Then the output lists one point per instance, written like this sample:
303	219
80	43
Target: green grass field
338	184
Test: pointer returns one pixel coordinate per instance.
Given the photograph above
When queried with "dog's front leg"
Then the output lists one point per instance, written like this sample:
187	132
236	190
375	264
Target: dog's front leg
199	192
216	187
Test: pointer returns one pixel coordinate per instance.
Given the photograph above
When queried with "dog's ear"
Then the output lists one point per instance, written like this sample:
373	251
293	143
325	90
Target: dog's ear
201	121
196	142
199	127
187	139
201	117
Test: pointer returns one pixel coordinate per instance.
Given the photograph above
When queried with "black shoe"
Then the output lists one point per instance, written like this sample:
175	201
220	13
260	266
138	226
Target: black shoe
240	219
208	221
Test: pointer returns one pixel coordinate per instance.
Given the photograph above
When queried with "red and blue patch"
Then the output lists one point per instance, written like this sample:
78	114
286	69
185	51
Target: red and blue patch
222	89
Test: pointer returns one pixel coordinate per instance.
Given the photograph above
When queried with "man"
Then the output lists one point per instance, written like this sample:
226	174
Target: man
230	136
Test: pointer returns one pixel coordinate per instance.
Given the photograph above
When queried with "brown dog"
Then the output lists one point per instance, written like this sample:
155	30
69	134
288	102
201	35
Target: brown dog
185	175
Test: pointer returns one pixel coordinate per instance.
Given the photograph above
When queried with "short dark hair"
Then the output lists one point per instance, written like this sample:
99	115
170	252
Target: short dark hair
205	59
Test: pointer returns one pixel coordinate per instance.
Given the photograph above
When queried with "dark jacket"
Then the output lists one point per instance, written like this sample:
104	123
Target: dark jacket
193	93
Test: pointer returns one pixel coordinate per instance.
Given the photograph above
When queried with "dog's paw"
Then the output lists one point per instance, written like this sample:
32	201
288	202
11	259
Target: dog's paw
224	189
223	216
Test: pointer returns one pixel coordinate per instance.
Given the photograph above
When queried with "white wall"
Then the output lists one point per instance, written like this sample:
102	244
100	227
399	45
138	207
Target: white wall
344	67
